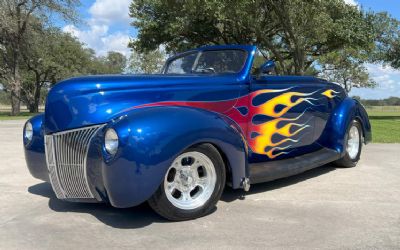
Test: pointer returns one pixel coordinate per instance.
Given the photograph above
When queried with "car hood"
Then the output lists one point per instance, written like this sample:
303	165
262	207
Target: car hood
85	101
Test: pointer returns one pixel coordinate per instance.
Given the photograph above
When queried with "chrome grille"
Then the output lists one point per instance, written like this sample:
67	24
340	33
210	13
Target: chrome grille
66	154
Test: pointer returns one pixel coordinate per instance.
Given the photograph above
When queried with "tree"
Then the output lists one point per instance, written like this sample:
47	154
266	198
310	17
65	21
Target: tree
149	62
293	32
387	39
298	34
115	62
346	69
17	19
51	55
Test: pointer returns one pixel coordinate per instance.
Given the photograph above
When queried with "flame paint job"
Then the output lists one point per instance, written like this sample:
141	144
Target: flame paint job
249	119
286	127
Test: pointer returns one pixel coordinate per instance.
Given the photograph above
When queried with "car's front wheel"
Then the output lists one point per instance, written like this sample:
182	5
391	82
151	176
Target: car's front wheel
192	185
353	143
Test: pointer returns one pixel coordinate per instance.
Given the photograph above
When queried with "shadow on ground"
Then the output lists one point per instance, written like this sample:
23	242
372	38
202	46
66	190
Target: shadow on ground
143	215
123	218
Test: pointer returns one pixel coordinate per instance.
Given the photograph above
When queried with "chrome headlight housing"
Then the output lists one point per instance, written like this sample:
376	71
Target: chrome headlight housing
28	132
111	141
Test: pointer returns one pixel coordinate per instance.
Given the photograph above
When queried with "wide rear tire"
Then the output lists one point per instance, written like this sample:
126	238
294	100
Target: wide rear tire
192	185
353	146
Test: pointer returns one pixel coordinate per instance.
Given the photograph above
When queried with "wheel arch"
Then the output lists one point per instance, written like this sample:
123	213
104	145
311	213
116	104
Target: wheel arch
152	137
340	118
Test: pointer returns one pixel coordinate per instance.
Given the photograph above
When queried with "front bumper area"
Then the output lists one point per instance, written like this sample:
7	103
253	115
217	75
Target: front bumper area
121	181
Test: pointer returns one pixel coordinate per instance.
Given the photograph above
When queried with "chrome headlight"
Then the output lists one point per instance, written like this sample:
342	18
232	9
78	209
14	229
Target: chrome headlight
28	132
111	141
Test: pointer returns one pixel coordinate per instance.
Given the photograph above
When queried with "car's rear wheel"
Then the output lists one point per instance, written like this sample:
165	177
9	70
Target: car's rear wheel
353	145
192	185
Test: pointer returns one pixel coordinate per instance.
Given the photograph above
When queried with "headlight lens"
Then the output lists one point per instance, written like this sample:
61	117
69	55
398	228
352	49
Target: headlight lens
111	141
28	134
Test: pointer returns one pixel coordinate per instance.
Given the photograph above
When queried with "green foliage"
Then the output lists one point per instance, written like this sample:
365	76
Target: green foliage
4	98
294	32
18	19
35	55
387	40
345	68
149	62
115	62
303	36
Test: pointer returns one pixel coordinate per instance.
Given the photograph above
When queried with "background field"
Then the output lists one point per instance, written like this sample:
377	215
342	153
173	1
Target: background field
385	121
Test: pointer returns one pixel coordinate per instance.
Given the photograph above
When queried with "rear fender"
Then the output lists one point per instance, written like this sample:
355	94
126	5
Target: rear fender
347	111
151	138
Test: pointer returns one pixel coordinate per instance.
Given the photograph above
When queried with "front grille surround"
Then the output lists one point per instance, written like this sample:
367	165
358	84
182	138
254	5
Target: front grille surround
66	157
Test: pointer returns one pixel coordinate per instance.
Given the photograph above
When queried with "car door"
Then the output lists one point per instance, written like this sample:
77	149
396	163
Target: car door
286	114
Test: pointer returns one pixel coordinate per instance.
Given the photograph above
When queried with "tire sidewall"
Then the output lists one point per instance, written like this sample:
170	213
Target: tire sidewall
358	126
182	214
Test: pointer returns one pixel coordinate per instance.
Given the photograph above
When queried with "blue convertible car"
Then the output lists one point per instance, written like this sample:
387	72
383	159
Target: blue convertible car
176	139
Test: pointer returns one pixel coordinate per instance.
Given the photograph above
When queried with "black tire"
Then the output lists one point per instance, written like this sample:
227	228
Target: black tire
160	203
346	161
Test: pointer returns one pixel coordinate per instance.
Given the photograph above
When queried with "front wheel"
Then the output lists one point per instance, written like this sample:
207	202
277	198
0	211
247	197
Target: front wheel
353	140
192	185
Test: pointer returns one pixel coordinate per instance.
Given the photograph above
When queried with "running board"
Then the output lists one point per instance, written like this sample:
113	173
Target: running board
272	170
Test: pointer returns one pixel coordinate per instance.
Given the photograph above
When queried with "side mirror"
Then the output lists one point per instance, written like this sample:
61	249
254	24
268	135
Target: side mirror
267	68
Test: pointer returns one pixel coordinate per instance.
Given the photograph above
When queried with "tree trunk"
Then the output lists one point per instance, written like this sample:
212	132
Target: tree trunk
16	97
34	107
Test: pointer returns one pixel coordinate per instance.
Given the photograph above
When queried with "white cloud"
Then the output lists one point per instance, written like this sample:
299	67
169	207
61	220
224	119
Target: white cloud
109	11
351	2
387	79
98	35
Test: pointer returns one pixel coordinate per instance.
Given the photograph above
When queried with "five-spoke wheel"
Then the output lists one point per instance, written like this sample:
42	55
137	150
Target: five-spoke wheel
192	184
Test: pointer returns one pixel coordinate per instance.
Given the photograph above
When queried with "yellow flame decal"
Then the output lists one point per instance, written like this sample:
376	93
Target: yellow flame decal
330	93
263	143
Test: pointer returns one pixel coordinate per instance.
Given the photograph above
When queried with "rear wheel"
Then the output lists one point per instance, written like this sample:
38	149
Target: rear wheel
353	144
192	185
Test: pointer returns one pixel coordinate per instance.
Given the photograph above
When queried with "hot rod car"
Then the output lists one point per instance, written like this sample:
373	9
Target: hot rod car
177	138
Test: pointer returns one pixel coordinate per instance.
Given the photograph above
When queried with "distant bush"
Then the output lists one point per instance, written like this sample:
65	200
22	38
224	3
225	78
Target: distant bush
391	101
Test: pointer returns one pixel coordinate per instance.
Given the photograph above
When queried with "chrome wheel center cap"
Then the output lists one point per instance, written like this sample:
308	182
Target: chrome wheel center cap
186	179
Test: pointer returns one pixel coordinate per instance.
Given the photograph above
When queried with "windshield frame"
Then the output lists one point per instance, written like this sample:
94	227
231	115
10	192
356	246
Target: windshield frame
199	52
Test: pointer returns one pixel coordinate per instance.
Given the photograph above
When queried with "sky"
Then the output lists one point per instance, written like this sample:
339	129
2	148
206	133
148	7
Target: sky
106	27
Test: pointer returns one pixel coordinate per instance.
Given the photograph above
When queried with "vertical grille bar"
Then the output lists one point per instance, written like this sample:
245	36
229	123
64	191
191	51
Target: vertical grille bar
66	155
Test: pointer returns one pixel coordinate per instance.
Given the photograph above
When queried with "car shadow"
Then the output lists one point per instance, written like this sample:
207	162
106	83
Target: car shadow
123	218
230	194
143	215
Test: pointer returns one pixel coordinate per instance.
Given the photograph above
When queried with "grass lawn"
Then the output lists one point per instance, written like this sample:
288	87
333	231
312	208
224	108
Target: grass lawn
385	124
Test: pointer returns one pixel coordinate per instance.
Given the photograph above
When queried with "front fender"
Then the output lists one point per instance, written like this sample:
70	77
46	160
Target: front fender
34	150
151	138
348	110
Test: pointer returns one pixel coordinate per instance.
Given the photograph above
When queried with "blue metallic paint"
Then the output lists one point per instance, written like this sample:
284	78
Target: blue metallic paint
151	137
34	150
149	146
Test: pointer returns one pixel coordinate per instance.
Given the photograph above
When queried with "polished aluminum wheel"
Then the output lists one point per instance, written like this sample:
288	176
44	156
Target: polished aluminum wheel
190	180
353	142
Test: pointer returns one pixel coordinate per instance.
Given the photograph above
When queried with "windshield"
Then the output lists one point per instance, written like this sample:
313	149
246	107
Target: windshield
207	62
